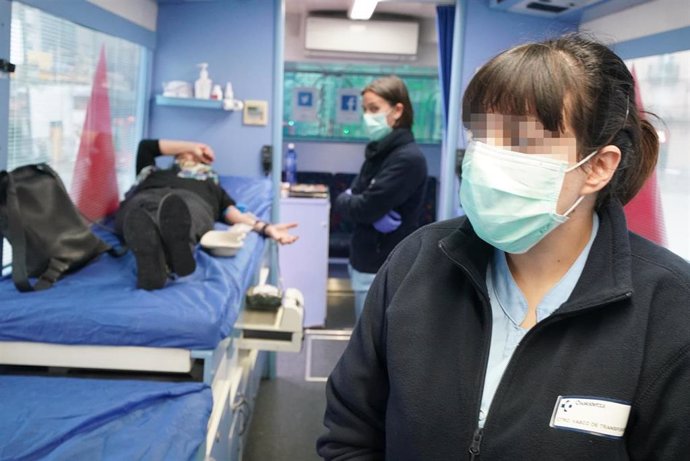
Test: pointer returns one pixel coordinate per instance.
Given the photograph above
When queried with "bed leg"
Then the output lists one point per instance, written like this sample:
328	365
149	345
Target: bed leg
270	367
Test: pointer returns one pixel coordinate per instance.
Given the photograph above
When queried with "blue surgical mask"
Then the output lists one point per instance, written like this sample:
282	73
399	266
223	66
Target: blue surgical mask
376	125
511	198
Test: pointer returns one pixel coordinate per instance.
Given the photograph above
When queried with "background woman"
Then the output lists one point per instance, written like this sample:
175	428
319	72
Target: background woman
385	200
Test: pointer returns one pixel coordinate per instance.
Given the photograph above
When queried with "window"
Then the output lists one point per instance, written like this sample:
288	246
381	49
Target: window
664	83
51	88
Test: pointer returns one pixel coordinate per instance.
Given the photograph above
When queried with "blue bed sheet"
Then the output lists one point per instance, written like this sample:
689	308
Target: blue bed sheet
68	419
100	305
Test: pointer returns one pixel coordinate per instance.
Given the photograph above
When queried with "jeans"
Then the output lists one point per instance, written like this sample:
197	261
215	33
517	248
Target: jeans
361	281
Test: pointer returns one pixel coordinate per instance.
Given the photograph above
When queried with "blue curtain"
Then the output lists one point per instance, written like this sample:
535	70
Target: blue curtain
445	22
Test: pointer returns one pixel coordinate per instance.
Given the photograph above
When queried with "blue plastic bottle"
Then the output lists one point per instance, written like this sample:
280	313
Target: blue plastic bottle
291	165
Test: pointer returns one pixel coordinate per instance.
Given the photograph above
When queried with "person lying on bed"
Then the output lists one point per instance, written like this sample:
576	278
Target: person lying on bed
167	211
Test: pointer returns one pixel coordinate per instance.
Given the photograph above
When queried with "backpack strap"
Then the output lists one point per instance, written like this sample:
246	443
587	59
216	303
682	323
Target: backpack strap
51	275
16	230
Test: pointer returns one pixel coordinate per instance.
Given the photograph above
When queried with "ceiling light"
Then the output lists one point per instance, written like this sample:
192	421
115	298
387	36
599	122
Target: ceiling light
362	9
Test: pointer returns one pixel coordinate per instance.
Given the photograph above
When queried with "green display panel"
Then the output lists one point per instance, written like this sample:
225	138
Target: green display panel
316	105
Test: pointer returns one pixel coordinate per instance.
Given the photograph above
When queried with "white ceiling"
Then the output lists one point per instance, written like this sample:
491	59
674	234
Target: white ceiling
417	8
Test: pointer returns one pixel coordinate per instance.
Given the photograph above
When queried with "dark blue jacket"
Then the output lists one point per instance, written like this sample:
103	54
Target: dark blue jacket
393	177
409	384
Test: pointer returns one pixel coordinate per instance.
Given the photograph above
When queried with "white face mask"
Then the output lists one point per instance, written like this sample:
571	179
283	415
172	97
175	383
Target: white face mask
511	198
376	125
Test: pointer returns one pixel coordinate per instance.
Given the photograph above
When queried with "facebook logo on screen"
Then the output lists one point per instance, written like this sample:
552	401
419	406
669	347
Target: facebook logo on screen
348	103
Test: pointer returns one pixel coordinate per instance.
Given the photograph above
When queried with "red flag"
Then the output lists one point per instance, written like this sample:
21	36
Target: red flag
644	212
94	185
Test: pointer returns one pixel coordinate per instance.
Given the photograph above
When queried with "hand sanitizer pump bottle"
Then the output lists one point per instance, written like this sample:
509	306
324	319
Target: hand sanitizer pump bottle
202	87
291	165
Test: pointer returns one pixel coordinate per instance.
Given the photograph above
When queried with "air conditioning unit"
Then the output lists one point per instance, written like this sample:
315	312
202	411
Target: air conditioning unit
547	8
375	38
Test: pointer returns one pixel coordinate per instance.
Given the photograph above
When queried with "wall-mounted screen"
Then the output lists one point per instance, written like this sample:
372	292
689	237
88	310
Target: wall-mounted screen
323	101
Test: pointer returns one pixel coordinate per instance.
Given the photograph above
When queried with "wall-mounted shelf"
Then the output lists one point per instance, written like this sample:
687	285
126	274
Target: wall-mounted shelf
198	103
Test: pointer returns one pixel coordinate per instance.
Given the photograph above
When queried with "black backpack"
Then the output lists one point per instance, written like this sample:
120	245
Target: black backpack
47	233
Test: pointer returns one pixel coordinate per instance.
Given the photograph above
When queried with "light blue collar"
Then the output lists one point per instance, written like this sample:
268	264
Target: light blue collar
511	299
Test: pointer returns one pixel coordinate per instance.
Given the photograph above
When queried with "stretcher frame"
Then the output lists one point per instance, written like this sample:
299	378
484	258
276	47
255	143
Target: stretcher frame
281	331
232	370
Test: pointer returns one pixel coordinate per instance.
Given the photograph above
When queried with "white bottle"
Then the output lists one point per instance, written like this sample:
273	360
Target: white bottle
229	93
291	164
217	93
202	87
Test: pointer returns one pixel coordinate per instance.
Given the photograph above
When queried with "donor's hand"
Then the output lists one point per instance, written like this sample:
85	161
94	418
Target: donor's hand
279	232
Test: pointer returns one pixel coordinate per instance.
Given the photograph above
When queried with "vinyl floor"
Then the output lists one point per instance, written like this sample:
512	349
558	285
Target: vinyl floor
288	415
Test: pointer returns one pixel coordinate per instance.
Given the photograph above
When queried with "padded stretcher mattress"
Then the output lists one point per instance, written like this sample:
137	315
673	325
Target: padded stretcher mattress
100	305
55	419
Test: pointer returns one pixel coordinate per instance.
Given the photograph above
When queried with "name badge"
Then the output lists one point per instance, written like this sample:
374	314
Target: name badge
597	416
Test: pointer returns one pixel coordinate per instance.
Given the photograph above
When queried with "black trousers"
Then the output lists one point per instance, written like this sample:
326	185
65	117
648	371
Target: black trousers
150	199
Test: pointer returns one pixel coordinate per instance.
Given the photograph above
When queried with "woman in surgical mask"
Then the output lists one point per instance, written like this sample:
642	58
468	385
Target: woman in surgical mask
537	327
385	199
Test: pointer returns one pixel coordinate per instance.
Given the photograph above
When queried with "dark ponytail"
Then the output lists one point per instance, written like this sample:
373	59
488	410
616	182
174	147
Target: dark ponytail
641	159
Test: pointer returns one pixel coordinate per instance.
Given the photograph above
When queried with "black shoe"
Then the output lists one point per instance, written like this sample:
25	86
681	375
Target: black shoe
142	237
175	223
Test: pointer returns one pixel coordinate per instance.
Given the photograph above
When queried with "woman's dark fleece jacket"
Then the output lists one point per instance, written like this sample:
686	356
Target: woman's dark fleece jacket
393	177
409	385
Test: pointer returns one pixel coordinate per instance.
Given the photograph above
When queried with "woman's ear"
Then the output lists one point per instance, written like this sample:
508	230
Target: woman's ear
397	112
601	168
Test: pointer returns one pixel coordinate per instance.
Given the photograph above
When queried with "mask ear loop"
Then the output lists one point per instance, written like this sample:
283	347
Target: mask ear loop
582	162
570	210
582	197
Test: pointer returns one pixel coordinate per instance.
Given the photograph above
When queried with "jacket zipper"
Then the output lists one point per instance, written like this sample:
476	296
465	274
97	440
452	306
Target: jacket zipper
479	432
475	446
476	442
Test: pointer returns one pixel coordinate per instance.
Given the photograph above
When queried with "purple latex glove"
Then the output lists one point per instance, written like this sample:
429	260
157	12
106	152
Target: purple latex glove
388	223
